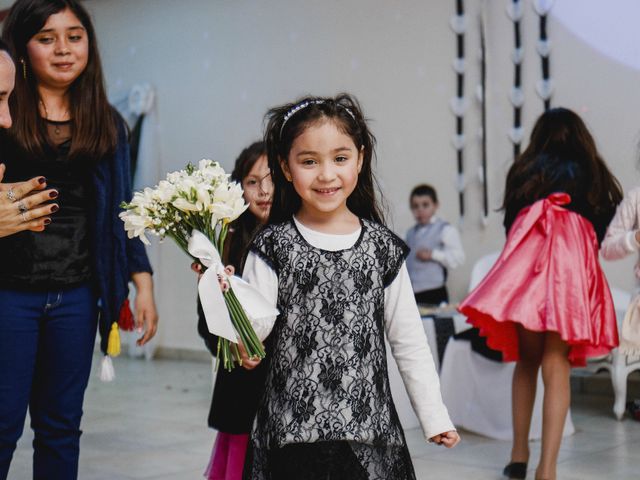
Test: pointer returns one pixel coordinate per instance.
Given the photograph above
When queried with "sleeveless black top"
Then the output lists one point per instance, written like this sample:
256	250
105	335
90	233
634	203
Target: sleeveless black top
59	256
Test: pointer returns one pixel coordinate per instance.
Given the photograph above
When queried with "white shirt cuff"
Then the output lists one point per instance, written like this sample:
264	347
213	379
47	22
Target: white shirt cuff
438	256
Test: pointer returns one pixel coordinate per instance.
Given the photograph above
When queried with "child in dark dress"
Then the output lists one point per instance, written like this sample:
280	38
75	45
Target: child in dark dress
237	392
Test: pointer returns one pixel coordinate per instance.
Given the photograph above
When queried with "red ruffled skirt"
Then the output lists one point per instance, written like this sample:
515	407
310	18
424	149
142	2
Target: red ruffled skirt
547	279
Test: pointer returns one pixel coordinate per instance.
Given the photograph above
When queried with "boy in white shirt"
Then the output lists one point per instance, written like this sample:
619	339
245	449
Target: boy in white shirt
435	248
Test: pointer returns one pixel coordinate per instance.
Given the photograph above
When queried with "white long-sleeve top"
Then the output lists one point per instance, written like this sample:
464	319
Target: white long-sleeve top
620	239
403	326
451	255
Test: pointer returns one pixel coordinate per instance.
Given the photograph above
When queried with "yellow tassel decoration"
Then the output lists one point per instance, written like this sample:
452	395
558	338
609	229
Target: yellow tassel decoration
113	344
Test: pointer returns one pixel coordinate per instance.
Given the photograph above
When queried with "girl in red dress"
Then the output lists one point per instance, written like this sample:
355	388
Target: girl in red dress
546	303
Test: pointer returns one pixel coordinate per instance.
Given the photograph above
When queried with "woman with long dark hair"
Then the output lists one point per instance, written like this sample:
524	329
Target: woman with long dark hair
546	303
55	284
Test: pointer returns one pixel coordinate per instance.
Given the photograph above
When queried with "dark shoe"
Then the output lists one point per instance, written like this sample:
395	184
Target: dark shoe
633	409
515	470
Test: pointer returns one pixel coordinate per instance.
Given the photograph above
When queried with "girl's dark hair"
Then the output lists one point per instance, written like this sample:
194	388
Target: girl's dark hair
345	112
560	136
245	226
424	190
94	122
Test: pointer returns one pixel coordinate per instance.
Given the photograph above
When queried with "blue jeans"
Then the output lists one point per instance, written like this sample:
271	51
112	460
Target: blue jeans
46	346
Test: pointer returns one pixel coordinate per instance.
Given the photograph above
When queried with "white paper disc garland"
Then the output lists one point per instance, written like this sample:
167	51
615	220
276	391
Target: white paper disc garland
515	11
544	87
542	7
482	90
459	104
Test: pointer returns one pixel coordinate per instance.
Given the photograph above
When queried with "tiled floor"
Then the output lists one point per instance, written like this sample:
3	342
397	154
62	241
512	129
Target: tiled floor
150	424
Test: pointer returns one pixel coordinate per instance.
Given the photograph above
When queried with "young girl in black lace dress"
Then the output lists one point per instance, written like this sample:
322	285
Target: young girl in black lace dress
339	280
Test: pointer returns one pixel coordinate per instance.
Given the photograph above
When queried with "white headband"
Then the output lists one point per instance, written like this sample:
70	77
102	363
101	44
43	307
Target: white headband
301	106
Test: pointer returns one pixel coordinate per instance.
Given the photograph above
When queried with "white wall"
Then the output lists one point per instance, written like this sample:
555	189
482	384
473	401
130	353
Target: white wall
218	65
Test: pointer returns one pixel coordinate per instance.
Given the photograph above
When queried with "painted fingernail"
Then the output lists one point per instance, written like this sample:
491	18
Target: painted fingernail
53	194
42	180
55	208
47	221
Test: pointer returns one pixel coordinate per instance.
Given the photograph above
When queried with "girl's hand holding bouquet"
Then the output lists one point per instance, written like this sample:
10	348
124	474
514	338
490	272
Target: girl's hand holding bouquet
194	207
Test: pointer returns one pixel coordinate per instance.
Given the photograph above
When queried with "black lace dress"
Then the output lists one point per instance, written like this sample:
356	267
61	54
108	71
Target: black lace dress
327	411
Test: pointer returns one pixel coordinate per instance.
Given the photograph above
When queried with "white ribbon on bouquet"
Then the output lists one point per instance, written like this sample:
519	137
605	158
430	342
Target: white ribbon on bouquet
257	308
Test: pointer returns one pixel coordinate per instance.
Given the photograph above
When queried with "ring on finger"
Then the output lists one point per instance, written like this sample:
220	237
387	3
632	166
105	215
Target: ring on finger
24	216
11	195
22	208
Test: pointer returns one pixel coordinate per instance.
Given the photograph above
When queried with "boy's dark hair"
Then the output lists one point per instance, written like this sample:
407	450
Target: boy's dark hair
286	122
426	190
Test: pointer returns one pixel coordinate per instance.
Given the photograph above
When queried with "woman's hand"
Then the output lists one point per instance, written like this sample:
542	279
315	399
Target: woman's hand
146	315
448	439
22	205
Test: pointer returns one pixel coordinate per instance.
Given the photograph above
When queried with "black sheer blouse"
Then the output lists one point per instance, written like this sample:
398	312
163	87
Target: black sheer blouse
60	256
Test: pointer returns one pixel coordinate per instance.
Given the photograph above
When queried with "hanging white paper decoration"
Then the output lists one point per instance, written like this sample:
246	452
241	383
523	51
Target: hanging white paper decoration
458	24
458	141
543	47
517	97
542	7
544	88
458	65
515	11
517	55
516	135
458	106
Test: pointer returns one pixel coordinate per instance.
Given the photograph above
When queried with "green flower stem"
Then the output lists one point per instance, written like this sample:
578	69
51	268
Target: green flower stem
228	352
218	353
226	355
222	237
234	349
257	344
245	330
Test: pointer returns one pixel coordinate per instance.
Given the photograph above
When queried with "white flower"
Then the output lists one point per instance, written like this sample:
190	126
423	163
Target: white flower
211	170
164	192
135	225
184	205
205	196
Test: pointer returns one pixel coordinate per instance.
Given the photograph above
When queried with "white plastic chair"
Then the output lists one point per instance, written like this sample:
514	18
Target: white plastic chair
616	363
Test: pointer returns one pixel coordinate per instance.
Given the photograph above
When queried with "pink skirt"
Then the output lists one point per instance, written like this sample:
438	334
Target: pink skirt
547	279
227	457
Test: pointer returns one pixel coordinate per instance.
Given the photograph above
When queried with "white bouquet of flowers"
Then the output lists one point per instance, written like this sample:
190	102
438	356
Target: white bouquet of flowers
194	207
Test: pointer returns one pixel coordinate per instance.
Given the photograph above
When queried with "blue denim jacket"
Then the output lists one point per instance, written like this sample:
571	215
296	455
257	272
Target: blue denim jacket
116	256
